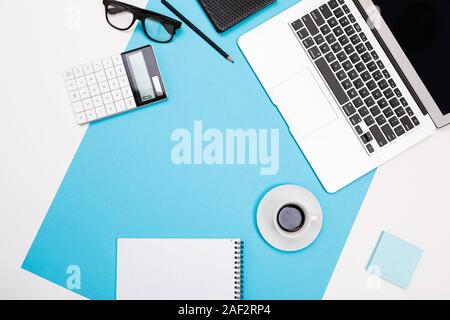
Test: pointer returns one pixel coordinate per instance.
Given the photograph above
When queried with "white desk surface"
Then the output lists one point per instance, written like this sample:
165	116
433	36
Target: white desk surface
408	196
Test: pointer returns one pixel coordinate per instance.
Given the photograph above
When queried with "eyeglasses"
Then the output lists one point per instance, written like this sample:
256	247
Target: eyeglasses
157	27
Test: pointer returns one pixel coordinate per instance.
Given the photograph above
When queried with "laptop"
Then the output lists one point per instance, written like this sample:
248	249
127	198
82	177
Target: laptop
357	81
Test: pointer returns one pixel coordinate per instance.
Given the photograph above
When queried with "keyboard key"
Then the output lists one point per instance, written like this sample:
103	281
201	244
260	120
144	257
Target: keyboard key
349	49
91	79
104	87
91	115
101	112
358	102
107	63
358	130
338	31
369	102
110	109
388	112
388	133
315	53
107	98
336	47
355	119
360	67
88	104
331	80
409	112
380	64
364	92
366	57
398	93
399	131
346	65
370	148
386	74
117	60
343	40
127	92
81	118
382	103
98	101
352	93
377	75
308	43
341	56
335	66
404	102
349	109
101	76
338	13
78	71
88	69
326	12
394	103
303	33
324	48
341	75
380	120
366	76
400	112
350	31
375	111
81	82
84	93
406	122
77	107
363	111
94	90
352	74
120	106
297	25
366	138
369	120
332	22
371	85
114	84
75	96
360	48
372	66
388	93
363	37
378	135
357	27
394	121
110	73
358	83
345	8
415	121
325	29
377	94
351	18
344	22
71	85
354	58
330	38
355	39
333	4
346	84
120	71
98	66
130	103
123	81
317	17
330	57
117	95
310	25
68	75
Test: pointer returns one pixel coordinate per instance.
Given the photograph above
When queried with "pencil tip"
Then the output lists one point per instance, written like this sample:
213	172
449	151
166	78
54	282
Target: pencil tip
230	59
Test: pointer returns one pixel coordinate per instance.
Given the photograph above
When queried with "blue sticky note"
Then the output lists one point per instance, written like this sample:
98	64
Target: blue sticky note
394	260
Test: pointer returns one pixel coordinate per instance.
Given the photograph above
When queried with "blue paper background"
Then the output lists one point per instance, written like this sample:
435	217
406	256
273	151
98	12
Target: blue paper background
122	182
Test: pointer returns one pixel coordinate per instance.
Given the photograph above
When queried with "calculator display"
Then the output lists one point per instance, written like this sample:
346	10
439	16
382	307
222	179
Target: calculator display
144	75
140	73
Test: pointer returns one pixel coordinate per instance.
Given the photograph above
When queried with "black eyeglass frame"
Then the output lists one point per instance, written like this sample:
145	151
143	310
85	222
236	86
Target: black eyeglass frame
141	15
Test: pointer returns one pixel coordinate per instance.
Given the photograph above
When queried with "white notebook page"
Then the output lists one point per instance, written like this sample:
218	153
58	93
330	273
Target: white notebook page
172	269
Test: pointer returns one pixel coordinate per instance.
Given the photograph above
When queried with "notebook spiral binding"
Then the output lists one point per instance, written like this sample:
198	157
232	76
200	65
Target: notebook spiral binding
238	270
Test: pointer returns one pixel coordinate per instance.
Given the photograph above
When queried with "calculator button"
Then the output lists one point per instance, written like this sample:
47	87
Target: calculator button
111	73
81	82
71	85
98	101
91	79
107	63
117	95
81	118
68	75
107	98
130	103
77	107
120	106
75	96
120	71
101	112
88	104
78	71
98	66
95	90
110	109
101	76
104	87
114	84
126	92
117	60
84	93
91	115
88	69
123	81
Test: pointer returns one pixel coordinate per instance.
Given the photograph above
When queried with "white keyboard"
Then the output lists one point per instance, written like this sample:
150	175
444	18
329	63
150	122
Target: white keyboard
99	89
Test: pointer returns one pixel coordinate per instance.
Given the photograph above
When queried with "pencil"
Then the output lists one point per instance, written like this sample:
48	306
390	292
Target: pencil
197	30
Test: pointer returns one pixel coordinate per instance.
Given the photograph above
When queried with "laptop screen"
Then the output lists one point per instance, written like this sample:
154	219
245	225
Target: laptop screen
422	27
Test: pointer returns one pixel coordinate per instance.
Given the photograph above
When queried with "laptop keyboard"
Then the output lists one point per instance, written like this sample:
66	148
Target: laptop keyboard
364	89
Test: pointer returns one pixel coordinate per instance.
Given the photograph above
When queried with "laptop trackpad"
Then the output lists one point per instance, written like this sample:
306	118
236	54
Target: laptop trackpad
303	104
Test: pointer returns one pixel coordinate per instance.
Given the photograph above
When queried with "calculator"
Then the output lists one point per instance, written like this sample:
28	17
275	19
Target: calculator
113	85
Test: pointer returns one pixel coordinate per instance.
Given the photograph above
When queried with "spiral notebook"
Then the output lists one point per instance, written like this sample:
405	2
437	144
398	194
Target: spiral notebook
179	269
